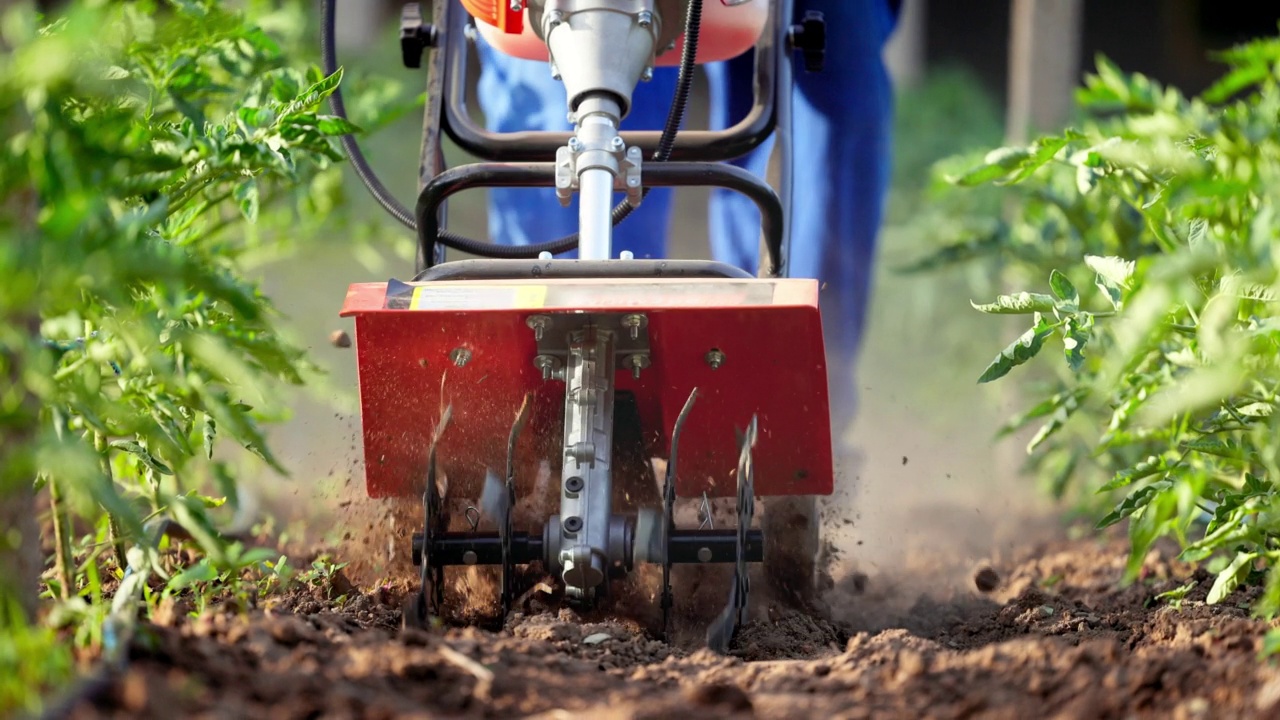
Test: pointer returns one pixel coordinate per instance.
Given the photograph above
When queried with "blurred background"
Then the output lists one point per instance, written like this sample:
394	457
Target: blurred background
969	77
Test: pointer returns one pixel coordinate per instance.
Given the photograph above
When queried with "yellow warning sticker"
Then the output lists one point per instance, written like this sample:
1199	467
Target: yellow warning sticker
531	297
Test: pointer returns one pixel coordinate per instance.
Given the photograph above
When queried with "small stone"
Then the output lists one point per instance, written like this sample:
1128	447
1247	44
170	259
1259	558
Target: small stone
1045	610
986	579
595	639
340	339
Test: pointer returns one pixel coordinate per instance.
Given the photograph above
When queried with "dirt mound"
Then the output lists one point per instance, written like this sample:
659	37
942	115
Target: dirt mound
1059	634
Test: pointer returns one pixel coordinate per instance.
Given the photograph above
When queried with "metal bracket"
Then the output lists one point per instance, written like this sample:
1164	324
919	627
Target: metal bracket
626	173
551	332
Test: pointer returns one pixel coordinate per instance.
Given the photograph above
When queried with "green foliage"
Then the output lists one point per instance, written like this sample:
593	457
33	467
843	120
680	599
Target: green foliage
1148	241
148	149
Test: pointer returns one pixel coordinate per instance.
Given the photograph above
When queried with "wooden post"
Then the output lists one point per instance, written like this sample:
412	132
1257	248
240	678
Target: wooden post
905	53
1044	65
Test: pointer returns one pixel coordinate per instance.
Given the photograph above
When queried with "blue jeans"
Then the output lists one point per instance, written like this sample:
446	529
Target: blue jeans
841	134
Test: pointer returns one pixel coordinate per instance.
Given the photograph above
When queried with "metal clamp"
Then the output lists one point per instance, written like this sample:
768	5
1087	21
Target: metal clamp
623	162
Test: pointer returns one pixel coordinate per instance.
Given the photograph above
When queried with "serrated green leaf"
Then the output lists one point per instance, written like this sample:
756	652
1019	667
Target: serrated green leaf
1017	352
142	454
1153	465
1023	303
1136	500
1115	269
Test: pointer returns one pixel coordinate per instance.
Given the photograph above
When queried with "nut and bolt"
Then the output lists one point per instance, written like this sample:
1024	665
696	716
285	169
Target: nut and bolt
573	524
460	356
538	324
637	362
633	322
575	144
704	554
646	75
617	144
715	359
644	19
516	5
547	364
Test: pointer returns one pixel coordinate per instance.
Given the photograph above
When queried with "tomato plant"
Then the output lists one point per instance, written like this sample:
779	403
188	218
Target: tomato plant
1148	238
142	140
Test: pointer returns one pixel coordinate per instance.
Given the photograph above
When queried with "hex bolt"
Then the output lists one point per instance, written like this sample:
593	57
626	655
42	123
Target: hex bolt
634	322
575	144
572	524
644	19
516	5
538	323
627	255
647	75
547	364
617	143
637	362
704	554
573	484
715	358
460	356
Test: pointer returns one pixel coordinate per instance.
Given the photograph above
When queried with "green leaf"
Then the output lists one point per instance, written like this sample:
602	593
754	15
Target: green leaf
1065	291
1018	352
1075	335
1137	500
1153	465
1022	303
332	125
1114	269
147	458
1230	578
246	194
1233	82
1177	593
997	164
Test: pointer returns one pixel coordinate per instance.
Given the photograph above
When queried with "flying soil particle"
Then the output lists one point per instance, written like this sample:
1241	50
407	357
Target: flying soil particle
340	339
986	579
904	459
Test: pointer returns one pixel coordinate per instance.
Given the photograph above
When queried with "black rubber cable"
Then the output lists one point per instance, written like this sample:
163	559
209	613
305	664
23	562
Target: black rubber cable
380	193
684	85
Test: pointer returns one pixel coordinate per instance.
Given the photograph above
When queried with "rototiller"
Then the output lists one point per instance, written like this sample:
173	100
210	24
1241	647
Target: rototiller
539	390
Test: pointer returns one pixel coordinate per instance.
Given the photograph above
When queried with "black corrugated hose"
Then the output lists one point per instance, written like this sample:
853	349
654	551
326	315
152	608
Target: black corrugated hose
684	84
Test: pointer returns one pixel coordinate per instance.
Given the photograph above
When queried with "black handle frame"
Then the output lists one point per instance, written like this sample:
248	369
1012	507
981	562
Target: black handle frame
526	158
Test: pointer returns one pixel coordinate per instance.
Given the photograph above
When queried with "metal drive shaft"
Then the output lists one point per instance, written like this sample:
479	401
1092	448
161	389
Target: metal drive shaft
586	506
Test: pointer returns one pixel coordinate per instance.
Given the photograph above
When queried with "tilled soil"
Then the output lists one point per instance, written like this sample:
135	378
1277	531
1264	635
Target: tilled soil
1049	634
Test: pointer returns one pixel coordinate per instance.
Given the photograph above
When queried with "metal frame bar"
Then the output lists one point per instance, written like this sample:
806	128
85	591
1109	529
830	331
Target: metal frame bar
664	174
690	145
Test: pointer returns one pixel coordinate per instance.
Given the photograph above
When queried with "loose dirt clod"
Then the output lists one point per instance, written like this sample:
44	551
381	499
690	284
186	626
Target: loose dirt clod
730	697
340	339
986	579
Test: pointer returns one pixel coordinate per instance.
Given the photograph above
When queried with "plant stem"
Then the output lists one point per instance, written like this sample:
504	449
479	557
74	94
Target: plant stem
113	524
62	538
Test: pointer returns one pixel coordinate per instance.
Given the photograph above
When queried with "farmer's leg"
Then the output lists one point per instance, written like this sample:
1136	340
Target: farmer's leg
841	122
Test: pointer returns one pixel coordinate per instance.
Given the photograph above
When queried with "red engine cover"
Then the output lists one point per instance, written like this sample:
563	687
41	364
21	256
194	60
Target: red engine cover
769	332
